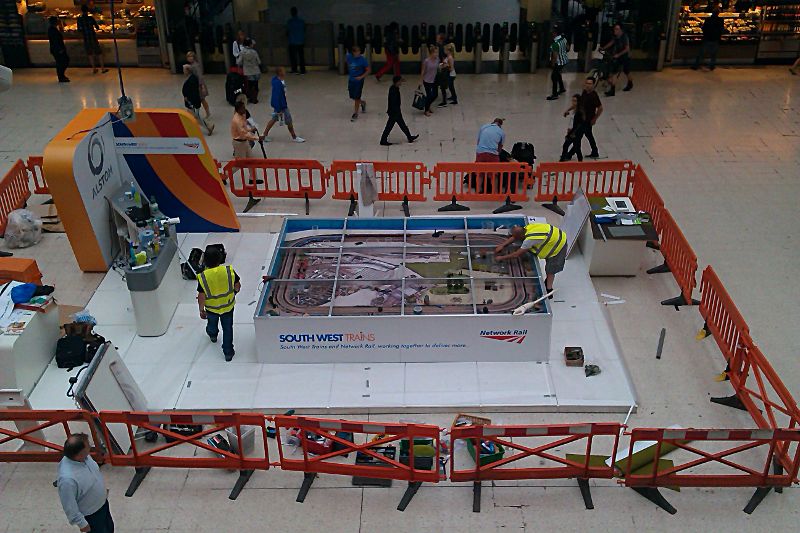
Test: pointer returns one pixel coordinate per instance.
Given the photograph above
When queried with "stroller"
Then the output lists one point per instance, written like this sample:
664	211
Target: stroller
192	100
602	70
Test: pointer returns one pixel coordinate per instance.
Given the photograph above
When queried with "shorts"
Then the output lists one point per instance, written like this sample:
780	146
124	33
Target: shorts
486	157
92	47
242	150
623	64
287	117
555	264
354	88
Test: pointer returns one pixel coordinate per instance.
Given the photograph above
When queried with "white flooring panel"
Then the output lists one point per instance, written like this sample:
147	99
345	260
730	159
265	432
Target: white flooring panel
182	369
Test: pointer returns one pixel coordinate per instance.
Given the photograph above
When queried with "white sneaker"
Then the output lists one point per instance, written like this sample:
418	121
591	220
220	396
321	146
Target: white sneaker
299	140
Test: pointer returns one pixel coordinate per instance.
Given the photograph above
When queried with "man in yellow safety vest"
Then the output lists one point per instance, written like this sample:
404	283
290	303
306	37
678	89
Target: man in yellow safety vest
542	240
217	286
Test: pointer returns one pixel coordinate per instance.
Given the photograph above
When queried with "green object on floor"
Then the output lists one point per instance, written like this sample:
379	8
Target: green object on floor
486	458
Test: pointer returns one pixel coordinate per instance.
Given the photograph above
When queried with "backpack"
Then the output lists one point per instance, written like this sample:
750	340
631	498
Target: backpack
70	351
524	153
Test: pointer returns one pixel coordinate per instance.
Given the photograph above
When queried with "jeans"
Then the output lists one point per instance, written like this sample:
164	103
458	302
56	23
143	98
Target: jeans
587	132
709	48
297	56
572	143
212	329
100	521
62	62
558	81
395	119
430	93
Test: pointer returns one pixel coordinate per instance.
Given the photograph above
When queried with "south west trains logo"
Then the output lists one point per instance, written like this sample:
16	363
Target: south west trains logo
516	336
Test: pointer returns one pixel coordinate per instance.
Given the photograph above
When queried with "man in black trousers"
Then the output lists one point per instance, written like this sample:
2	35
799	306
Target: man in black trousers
395	114
58	49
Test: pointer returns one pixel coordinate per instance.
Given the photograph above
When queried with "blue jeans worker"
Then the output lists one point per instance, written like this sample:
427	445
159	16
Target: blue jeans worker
216	295
81	487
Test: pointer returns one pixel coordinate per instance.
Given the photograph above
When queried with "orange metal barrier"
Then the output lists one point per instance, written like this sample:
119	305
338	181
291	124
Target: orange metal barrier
559	181
711	464
481	182
722	318
645	197
558	436
276	178
397	181
158	423
325	439
680	259
14	192
32	446
34	165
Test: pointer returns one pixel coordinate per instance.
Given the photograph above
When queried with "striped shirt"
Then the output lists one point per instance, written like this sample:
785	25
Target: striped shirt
559	49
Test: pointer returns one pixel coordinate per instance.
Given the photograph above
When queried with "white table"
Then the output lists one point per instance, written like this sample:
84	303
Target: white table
24	357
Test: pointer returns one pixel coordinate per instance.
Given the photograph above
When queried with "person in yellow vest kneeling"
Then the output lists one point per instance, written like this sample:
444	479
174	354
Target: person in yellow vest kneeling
217	286
542	240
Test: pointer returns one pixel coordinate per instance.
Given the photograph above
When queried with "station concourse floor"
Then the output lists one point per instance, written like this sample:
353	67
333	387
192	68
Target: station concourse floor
723	149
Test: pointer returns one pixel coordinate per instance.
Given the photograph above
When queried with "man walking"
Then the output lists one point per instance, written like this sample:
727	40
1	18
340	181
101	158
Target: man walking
542	240
242	133
589	108
58	50
81	488
358	69
713	28
217	286
391	48
558	60
490	141
621	50
280	108
395	114
87	26
296	28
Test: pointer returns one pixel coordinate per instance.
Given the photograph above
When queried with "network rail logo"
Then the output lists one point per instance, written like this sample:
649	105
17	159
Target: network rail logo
516	336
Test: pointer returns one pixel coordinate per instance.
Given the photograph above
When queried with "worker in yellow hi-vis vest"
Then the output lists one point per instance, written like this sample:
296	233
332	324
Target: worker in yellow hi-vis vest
217	286
542	240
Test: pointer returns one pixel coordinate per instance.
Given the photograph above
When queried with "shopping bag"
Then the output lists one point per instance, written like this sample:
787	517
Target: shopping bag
419	99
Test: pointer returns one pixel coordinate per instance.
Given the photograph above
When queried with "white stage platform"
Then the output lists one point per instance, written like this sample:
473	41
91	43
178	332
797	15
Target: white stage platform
183	370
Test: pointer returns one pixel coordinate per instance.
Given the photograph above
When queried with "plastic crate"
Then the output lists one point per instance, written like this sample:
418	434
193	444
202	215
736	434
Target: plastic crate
489	457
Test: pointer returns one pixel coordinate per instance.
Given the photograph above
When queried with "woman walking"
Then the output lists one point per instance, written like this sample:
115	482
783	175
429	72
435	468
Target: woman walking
193	66
450	59
430	68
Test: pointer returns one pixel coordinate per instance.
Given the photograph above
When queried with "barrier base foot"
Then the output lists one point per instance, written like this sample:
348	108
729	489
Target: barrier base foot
138	477
554	207
757	497
308	205
251	203
653	244
777	469
656	497
679	301
586	493
703	333
453	206
353	205
660	269
308	480
730	401
506	207
411	490
244	477
404	205
476	497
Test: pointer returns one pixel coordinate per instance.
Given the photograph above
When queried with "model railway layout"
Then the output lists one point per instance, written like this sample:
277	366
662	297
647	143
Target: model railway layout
419	272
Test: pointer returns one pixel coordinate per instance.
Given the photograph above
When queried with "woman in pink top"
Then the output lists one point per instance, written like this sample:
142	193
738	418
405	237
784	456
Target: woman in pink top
430	67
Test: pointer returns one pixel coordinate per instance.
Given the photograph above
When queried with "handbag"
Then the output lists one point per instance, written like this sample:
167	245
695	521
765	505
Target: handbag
419	99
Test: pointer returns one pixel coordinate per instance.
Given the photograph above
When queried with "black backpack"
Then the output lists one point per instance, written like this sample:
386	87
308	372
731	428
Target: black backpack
524	153
70	351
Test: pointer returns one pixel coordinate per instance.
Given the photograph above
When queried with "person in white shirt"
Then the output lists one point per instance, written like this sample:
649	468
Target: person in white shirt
250	62
81	488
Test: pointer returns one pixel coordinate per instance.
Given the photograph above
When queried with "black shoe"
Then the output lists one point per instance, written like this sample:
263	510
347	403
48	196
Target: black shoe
413	138
385	143
552	97
213	339
562	159
229	357
453	101
711	68
442	104
628	87
611	92
695	67
593	155
562	91
64	80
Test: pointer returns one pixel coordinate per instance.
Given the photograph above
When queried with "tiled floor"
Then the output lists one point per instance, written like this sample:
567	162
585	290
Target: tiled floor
721	147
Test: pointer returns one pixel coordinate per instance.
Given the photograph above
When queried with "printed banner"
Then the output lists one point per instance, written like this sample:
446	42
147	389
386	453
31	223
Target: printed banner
159	145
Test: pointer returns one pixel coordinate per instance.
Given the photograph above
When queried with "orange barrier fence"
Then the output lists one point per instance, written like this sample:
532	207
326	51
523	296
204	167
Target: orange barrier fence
488	445
600	178
680	259
277	178
29	442
645	197
14	192
34	165
722	318
710	461
210	424
397	181
325	444
481	182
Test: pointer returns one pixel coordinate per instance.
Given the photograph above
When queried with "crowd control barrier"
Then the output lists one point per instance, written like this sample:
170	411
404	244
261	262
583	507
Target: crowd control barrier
326	444
40	435
716	458
14	192
397	182
35	163
482	182
542	461
159	424
276	178
645	198
560	181
680	259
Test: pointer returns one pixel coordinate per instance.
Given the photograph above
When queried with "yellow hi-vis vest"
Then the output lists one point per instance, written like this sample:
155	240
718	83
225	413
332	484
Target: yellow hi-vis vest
217	284
552	239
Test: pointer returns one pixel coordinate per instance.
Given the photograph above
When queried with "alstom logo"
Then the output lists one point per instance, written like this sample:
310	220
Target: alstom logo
516	335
